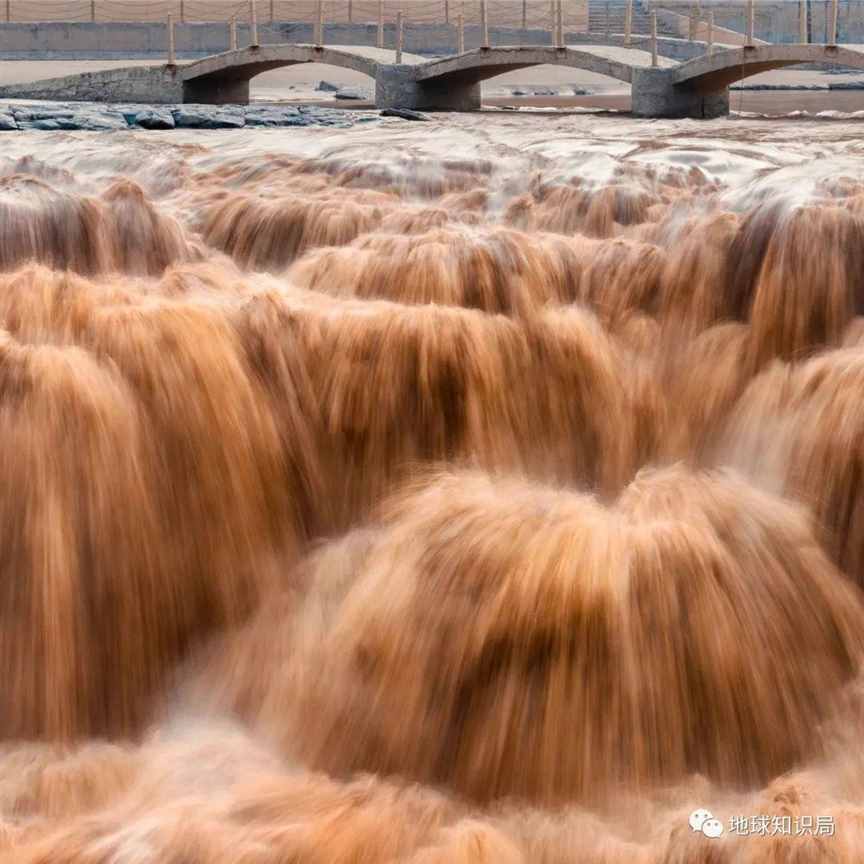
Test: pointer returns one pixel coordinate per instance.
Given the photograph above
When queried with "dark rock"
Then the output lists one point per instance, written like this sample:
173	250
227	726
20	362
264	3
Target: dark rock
262	118
404	114
101	122
780	87
256	119
152	119
207	118
33	114
846	85
271	110
292	120
7	123
545	91
519	91
327	87
266	115
323	116
50	124
341	121
350	93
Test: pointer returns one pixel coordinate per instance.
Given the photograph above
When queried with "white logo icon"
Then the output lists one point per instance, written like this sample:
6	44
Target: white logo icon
702	820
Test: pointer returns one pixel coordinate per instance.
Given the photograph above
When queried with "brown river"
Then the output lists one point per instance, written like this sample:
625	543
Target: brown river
482	490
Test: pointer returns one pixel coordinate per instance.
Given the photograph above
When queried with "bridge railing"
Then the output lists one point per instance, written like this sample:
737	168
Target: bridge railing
526	14
443	26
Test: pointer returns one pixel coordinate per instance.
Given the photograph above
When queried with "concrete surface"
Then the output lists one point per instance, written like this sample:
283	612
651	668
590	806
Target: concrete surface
140	84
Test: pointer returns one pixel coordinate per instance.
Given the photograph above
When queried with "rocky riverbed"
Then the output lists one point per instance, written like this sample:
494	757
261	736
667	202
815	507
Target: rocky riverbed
93	117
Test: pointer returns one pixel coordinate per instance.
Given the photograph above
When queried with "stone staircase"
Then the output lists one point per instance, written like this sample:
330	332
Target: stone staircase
609	15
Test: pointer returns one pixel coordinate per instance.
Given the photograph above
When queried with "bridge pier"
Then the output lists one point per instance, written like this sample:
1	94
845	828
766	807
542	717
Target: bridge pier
397	87
216	90
654	93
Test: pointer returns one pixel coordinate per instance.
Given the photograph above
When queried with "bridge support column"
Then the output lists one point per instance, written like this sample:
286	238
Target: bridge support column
396	87
654	94
216	91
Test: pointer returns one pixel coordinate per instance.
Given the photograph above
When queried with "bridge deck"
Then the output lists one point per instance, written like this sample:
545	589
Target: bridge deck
630	56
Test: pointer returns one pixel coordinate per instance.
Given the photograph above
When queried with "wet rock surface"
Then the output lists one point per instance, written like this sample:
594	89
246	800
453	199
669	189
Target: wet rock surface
151	119
403	114
199	117
846	85
94	117
781	86
352	93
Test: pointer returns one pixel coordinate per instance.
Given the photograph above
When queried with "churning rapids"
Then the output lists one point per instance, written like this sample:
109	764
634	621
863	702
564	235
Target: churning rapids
483	490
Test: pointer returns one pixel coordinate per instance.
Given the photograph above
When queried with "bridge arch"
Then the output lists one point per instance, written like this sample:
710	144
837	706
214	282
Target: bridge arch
715	72
472	67
453	83
224	78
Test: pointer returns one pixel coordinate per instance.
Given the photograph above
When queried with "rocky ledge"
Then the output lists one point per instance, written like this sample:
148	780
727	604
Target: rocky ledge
93	117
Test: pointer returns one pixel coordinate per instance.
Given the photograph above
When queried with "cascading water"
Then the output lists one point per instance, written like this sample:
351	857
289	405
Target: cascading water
430	504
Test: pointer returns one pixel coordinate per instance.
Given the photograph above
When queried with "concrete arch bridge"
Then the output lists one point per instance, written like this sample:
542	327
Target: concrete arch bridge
695	88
